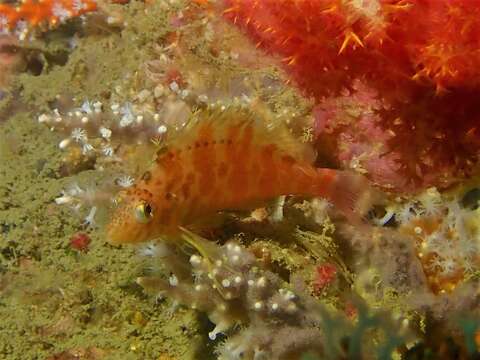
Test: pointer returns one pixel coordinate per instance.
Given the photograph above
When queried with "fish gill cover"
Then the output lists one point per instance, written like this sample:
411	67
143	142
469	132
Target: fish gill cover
239	179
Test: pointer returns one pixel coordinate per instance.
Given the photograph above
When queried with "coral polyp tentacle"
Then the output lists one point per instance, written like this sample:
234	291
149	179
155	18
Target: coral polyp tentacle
350	36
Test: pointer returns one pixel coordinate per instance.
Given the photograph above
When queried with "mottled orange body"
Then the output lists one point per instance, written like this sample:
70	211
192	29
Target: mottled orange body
230	163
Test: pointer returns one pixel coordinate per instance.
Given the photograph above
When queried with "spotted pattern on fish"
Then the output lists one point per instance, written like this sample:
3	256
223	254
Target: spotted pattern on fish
225	160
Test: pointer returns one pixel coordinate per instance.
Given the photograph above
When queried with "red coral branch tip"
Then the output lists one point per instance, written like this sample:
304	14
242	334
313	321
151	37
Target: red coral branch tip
19	19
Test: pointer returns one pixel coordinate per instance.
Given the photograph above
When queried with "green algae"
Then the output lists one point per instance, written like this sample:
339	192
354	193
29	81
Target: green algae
53	298
98	62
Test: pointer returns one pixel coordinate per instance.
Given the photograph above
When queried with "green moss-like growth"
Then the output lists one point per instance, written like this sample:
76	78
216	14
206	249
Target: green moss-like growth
54	298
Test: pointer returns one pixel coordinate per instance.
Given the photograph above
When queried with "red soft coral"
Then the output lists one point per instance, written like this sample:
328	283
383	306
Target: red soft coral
402	147
348	133
442	39
394	44
325	44
418	62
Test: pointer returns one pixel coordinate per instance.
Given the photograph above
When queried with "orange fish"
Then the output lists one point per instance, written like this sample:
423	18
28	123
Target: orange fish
225	160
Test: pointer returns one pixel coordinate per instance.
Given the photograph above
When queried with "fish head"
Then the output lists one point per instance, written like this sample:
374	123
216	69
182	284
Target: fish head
135	219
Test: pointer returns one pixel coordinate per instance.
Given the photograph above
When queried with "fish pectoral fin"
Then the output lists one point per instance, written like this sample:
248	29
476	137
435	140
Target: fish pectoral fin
202	245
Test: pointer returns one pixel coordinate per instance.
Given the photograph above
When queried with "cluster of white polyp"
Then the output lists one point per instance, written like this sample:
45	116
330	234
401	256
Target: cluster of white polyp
232	289
99	129
89	198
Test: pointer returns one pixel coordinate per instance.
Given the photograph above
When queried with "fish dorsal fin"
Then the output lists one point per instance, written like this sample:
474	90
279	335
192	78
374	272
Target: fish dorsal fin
219	122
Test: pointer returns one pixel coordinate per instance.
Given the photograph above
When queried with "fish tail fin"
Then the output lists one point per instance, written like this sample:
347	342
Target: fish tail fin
350	193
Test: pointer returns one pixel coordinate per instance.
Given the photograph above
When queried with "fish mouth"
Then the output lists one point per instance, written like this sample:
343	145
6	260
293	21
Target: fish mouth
113	238
116	235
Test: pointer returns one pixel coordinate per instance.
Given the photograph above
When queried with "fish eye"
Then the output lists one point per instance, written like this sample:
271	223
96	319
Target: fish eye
143	212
